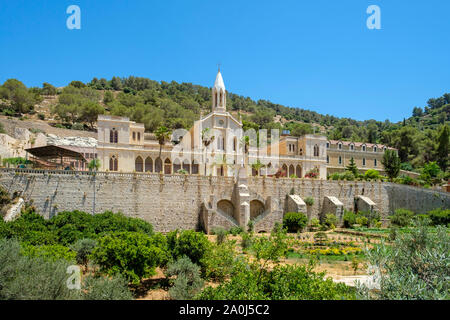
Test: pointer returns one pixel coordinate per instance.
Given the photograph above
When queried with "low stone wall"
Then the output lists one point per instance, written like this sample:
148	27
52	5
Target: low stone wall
175	201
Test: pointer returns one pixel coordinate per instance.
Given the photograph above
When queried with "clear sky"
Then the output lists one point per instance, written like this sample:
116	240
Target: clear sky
317	55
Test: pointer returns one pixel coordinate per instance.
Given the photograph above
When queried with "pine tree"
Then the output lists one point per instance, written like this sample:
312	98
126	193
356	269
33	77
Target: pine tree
352	167
443	147
391	163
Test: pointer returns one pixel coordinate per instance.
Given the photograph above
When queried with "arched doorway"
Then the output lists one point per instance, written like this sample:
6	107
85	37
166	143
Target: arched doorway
256	208
226	206
167	166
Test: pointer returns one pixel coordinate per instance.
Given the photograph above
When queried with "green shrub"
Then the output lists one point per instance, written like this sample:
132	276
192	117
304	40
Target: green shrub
349	219
440	217
372	174
134	255
83	249
188	243
295	221
188	281
309	201
236	231
50	252
281	283
34	278
106	288
247	240
221	234
219	261
402	217
362	221
330	221
413	267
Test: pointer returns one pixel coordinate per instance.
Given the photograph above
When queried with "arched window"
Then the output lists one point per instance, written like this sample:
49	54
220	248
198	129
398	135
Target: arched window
340	146
364	147
139	164
316	150
194	167
340	160
284	170
221	96
298	171
364	161
291	170
167	166
148	164
113	136
375	149
176	165
352	147
374	162
186	166
158	165
113	163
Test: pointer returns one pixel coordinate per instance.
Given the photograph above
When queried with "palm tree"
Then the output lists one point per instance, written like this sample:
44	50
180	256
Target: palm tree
257	166
163	135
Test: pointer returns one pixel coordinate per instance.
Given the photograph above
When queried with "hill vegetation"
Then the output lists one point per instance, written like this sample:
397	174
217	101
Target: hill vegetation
420	139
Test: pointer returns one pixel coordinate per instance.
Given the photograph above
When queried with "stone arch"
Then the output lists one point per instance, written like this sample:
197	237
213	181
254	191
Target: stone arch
298	171
291	170
186	166
226	206
167	166
158	165
138	164
176	165
284	170
148	164
256	208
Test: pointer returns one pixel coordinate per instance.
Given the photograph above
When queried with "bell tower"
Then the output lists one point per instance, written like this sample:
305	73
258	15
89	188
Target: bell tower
219	100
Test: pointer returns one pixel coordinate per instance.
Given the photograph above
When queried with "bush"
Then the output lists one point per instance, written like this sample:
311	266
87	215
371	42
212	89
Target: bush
440	217
41	116
247	240
309	201
188	281
131	254
221	234
83	249
101	288
295	221
413	267
402	217
281	283
33	278
24	277
349	219
219	261
236	231
330	221
188	243
372	174
52	252
362	221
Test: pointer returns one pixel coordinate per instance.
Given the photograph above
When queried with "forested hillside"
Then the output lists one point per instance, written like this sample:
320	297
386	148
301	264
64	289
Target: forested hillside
420	138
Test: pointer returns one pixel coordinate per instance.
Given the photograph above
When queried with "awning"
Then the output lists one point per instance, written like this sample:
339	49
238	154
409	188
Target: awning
55	152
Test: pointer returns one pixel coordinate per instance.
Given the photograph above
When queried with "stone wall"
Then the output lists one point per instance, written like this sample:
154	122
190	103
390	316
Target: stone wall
176	201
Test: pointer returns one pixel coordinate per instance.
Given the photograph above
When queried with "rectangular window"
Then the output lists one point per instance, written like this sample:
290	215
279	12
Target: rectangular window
364	161
139	136
340	160
134	135
375	162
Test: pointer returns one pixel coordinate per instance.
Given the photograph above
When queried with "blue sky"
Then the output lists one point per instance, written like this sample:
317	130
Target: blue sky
317	55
